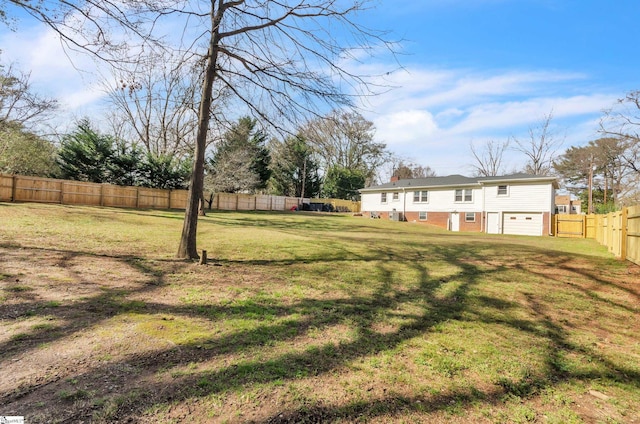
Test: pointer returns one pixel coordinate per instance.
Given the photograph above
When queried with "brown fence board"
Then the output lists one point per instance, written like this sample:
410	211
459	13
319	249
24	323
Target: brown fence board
633	234
153	198
263	203
245	202
178	199
35	189
6	188
20	188
116	196
81	193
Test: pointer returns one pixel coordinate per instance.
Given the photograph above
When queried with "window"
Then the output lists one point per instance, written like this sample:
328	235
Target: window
422	216
466	195
396	196
503	190
420	196
562	208
470	217
383	197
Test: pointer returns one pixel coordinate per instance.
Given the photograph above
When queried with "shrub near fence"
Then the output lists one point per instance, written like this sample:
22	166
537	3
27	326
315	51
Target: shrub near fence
619	231
17	188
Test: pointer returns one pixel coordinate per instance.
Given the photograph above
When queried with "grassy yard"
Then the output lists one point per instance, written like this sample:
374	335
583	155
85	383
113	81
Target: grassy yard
308	318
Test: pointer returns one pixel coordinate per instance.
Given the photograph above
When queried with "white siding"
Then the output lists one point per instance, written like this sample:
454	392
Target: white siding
442	200
521	197
371	202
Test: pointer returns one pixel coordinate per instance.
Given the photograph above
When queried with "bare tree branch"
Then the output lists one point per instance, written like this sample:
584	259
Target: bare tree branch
489	159
540	148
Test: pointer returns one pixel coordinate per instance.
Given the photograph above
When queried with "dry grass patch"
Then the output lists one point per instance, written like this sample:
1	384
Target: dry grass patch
308	318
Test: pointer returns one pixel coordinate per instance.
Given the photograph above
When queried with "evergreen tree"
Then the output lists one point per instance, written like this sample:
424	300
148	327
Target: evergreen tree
294	166
85	155
343	183
242	161
164	171
125	165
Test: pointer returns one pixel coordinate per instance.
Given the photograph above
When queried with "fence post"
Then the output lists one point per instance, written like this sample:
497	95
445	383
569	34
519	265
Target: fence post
169	202
623	234
13	187
584	226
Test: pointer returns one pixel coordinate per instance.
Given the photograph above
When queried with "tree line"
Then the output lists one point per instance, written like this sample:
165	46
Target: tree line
331	156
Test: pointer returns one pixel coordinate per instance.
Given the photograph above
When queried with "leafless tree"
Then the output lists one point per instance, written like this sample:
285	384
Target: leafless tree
540	147
345	139
399	166
233	173
489	158
622	121
155	103
22	114
18	103
283	61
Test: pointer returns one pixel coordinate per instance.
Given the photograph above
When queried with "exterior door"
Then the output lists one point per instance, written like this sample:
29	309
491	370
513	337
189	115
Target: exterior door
455	221
493	223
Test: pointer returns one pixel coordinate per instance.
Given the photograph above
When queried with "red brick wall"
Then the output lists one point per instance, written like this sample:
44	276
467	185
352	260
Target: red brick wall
546	219
475	226
441	219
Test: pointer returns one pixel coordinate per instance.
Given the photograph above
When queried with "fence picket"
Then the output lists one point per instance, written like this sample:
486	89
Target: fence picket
18	188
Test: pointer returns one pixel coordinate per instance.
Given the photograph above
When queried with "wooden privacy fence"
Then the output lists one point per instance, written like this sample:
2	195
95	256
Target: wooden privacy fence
17	188
619	231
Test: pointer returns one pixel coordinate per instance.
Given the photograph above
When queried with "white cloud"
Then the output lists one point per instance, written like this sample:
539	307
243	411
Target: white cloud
405	126
433	115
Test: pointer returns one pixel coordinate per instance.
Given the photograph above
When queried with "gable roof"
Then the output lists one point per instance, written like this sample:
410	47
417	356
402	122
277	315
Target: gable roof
458	181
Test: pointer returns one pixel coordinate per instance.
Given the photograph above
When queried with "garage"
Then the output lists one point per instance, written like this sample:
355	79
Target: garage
520	223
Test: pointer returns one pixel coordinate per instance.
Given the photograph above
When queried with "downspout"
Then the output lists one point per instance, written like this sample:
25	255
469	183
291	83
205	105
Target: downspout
483	219
404	204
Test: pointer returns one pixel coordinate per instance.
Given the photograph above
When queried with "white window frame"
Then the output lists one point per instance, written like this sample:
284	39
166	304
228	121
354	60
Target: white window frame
466	217
466	195
421	196
421	214
562	208
395	196
506	190
383	198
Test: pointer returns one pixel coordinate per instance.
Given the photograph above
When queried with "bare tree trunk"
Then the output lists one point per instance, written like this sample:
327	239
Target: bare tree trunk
188	249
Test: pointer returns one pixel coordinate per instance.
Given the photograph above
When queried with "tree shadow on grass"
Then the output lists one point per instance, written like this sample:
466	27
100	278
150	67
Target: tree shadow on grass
361	312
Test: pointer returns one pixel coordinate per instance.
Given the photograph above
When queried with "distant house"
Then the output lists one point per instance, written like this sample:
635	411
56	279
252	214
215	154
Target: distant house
565	204
511	204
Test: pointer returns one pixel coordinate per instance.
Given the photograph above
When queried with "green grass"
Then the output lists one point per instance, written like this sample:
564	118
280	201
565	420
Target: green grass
318	318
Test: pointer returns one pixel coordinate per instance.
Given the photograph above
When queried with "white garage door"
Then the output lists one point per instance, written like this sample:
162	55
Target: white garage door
526	224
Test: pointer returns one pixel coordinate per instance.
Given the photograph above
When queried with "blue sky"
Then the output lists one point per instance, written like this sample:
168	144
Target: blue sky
472	71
